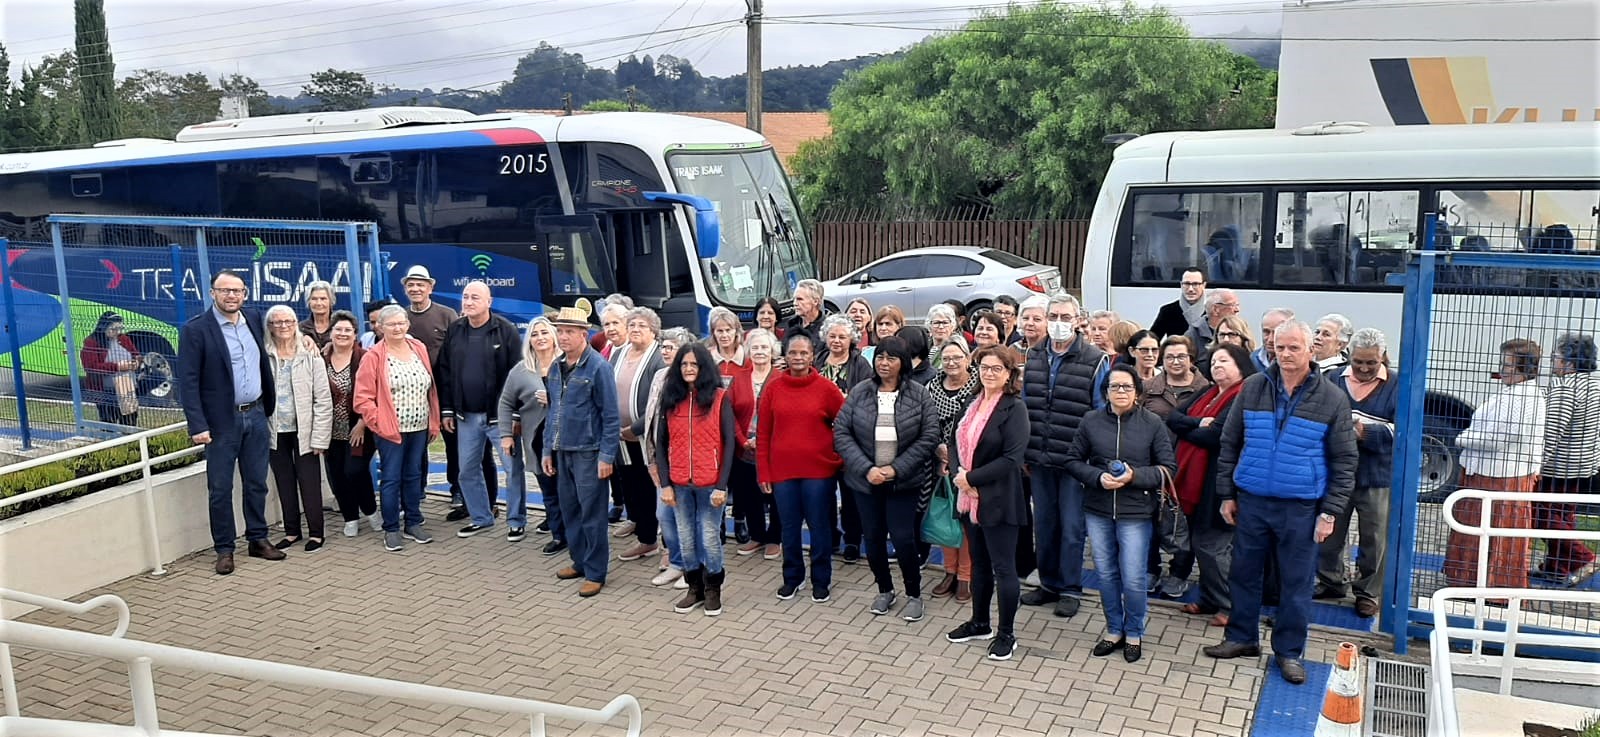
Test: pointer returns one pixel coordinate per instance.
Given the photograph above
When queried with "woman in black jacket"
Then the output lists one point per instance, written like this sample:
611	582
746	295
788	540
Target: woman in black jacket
1123	456
986	453
886	433
1197	424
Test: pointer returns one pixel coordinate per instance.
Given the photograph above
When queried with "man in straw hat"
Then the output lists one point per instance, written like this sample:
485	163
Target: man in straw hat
582	430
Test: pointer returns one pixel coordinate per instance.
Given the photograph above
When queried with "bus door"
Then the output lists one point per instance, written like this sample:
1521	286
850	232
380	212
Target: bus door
576	261
652	267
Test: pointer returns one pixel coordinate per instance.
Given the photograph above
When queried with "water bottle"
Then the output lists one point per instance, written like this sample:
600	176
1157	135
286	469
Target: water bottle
1118	468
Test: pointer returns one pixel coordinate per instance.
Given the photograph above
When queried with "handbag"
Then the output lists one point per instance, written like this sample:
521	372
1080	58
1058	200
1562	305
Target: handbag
939	525
127	393
1171	523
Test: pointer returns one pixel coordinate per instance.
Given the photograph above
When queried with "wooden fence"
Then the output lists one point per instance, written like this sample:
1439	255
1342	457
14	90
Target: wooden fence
843	242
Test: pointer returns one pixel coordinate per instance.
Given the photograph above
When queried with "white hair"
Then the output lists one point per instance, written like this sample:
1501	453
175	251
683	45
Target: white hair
839	321
941	310
646	314
814	286
318	286
1369	338
761	335
1104	315
1283	313
1059	299
280	309
720	314
615	307
1214	296
1036	302
1341	322
1292	326
678	336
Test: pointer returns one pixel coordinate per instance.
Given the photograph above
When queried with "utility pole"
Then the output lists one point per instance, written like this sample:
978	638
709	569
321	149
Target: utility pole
752	73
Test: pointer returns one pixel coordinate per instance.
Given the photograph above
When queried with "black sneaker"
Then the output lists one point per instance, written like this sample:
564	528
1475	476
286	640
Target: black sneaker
515	534
1040	597
1067	606
471	530
554	546
970	631
851	553
821	596
543	528
1002	647
457	514
786	592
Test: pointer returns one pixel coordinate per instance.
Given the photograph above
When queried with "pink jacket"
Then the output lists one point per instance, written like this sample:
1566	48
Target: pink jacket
374	401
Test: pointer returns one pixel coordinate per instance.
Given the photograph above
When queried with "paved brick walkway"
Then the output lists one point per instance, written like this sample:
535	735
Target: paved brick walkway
489	615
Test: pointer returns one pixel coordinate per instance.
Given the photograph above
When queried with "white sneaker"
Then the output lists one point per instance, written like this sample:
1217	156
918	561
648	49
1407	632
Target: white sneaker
665	577
375	523
682	584
351	528
1032	580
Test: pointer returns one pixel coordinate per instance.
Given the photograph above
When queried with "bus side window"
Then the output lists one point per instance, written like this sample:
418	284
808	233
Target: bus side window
1171	231
1343	238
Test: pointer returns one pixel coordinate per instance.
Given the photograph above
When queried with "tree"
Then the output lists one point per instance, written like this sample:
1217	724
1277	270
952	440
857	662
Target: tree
43	109
1009	113
96	80
238	85
156	104
543	77
614	106
340	90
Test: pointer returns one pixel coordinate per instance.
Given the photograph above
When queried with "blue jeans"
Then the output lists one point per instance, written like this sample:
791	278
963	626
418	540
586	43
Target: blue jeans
584	503
699	528
1058	530
402	479
552	505
473	431
1121	549
668	517
516	484
245	446
1285	529
809	502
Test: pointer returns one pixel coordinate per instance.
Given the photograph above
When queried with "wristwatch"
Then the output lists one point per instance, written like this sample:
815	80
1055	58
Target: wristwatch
1325	517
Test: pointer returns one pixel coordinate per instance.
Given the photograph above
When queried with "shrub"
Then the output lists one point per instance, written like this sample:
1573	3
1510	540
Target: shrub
50	474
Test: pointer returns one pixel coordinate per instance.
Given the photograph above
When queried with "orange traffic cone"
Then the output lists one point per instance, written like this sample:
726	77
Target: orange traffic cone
1341	706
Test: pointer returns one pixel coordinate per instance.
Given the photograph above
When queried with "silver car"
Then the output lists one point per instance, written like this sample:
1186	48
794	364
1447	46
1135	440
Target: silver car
920	278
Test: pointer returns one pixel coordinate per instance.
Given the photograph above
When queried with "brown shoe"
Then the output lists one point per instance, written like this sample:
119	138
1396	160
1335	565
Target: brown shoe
1366	608
947	586
749	548
638	551
265	551
963	591
224	564
774	552
1220	620
590	588
568	573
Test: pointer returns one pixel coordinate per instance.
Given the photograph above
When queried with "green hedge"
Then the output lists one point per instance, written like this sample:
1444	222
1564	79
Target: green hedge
50	474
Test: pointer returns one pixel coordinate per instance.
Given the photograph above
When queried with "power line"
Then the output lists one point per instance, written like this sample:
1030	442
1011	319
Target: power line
1178	37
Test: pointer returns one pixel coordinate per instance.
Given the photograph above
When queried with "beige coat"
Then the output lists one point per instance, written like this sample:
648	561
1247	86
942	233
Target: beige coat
313	400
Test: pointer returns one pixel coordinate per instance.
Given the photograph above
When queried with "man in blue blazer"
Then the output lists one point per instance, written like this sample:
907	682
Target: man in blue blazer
227	396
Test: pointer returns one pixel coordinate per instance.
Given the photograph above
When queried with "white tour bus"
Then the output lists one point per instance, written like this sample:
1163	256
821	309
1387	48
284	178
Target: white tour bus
1316	219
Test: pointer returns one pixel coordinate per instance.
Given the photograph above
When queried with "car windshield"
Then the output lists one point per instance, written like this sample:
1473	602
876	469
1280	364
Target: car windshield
764	249
1007	259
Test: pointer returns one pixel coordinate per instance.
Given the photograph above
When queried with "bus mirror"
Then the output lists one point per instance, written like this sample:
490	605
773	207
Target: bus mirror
707	223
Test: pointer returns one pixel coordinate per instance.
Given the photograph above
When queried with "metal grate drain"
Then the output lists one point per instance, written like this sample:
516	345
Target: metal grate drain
1397	698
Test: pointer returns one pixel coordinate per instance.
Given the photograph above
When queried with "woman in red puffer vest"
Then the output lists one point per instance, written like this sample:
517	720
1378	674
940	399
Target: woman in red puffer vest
694	456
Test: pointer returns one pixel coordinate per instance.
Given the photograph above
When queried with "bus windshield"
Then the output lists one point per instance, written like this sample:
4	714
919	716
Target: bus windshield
764	249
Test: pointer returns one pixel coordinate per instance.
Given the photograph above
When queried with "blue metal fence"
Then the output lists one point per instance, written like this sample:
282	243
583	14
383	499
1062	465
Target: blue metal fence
154	273
1460	307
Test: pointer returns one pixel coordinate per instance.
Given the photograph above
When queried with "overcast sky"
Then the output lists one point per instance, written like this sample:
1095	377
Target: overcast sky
475	43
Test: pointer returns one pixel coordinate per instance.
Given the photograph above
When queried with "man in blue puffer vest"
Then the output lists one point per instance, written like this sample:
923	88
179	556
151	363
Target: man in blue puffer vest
1285	474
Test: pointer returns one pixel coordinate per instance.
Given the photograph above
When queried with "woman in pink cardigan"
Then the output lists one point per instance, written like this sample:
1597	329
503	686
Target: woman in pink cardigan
395	395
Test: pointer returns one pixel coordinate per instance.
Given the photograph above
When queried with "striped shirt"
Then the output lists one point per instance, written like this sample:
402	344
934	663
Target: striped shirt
887	441
1572	427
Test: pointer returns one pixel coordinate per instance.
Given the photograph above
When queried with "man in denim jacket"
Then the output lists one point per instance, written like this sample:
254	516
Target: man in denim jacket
1285	474
580	446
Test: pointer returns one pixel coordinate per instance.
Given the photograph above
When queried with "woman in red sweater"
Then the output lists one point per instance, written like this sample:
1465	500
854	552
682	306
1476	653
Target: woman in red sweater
800	405
109	361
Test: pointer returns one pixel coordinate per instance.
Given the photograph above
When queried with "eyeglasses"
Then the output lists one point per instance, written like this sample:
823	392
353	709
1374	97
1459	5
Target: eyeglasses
1228	334
1148	350
1178	358
281	323
1229	305
1120	388
229	291
940	323
989	368
1193	283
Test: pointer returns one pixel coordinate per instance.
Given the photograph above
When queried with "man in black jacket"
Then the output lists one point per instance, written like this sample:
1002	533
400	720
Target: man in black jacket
1058	387
808	312
1188	311
479	351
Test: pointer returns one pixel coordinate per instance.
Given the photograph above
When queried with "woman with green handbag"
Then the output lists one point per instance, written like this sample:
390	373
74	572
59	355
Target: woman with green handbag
950	395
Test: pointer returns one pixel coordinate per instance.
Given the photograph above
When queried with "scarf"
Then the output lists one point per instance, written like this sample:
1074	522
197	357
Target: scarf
967	433
1193	460
1193	312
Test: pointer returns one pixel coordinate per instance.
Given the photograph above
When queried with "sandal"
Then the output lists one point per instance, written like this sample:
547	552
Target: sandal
1197	609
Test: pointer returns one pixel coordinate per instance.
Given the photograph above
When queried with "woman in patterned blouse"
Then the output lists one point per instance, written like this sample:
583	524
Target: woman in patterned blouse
347	457
396	397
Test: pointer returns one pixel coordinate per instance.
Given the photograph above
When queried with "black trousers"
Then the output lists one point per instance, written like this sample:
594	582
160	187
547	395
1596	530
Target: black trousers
299	483
452	469
993	550
758	511
350	480
890	515
849	522
638	493
1026	560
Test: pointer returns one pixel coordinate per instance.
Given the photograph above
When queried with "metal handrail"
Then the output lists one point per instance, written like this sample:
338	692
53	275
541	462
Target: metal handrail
143	656
1511	637
1444	700
8	678
142	437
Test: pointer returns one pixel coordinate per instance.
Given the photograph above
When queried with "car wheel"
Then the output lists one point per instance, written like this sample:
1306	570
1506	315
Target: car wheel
830	308
978	305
